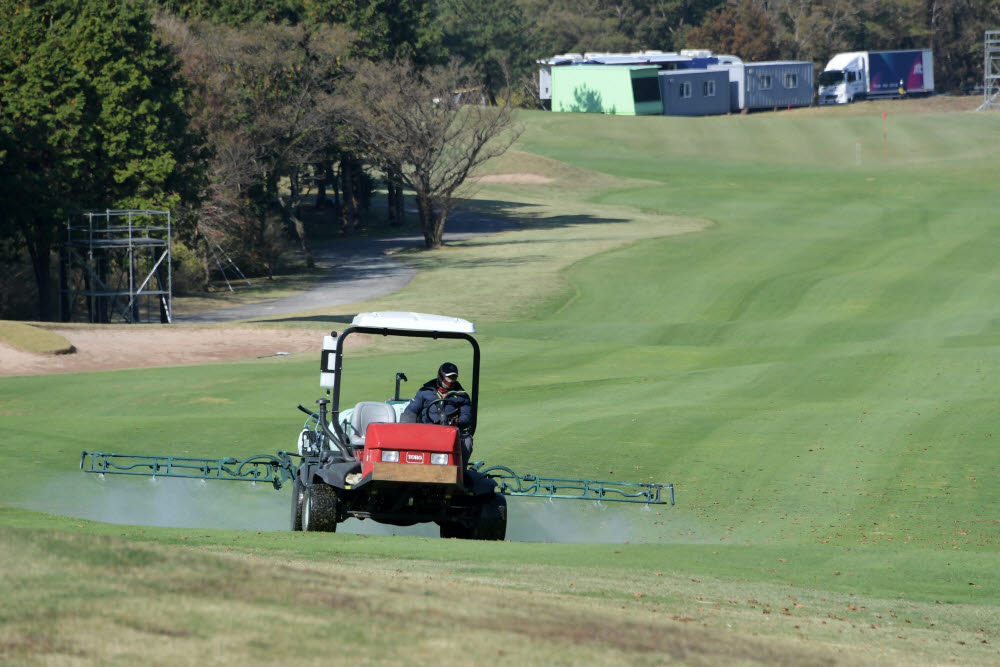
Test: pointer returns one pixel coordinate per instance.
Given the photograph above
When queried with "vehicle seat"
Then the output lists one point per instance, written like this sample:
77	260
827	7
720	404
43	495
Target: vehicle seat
365	413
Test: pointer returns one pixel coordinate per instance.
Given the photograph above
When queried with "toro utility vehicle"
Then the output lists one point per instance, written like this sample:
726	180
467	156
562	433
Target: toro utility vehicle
372	461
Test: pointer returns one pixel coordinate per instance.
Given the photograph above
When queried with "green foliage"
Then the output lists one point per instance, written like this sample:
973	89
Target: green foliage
92	109
237	12
490	36
384	29
597	25
389	29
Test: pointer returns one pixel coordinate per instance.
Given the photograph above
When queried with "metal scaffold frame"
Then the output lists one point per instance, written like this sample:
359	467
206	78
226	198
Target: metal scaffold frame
991	70
115	262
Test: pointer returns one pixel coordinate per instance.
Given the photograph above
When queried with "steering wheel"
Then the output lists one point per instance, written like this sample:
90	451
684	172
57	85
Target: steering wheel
445	417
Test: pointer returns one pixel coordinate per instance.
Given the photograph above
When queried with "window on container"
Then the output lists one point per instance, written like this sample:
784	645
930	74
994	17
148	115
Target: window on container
685	89
708	89
646	89
765	81
791	80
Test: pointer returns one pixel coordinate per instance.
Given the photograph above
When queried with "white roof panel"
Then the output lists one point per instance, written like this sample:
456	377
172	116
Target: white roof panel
413	322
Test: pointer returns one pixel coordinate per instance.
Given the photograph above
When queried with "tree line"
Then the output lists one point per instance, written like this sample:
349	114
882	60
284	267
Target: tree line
239	117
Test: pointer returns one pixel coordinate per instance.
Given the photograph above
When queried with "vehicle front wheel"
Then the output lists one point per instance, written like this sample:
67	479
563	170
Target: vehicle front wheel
319	508
298	498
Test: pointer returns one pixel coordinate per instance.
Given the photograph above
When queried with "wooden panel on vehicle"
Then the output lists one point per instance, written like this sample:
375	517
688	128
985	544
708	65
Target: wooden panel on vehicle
402	472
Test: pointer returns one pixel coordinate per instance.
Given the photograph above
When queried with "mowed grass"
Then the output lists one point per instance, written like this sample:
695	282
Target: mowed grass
34	339
800	334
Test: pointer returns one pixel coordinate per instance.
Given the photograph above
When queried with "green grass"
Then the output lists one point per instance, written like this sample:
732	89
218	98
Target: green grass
805	343
34	339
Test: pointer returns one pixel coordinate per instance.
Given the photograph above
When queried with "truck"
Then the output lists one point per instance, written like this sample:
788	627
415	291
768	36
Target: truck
876	74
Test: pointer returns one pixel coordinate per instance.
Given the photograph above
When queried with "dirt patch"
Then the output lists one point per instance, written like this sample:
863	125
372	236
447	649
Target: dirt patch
113	347
517	179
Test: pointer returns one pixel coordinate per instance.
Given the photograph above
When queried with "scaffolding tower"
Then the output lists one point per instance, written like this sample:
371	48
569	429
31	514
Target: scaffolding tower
116	265
991	71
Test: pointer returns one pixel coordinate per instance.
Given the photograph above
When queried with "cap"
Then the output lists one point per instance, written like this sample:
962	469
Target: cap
447	374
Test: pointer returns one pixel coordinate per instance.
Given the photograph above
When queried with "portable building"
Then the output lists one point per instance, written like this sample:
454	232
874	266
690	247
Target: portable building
694	92
778	85
545	72
769	85
610	89
662	60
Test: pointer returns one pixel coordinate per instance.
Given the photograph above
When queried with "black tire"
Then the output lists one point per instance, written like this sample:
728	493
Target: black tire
298	497
491	522
492	519
319	508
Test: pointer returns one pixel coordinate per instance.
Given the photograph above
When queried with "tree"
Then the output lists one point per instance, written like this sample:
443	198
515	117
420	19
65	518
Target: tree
235	12
485	34
957	30
412	122
560	26
92	111
389	29
743	30
265	102
814	30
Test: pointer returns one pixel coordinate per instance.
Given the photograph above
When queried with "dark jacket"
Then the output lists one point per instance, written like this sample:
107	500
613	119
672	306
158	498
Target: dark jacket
425	410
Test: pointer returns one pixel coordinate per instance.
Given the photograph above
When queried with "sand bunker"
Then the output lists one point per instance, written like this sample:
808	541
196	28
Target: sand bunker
113	347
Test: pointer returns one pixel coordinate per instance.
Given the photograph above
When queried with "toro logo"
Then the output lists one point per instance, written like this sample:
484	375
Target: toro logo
412	457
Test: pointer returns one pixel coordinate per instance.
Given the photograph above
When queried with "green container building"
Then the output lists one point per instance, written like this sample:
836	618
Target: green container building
610	89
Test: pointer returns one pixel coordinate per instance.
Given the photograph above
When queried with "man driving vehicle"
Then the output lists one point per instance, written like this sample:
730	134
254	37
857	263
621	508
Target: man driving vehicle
443	400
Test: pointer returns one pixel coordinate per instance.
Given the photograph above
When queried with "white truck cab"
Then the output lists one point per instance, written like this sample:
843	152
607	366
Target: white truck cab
845	78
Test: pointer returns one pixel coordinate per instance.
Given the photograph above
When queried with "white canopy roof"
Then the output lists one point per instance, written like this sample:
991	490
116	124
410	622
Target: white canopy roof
413	322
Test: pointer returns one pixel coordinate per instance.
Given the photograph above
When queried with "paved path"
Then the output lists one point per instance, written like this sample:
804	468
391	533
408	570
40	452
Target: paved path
358	270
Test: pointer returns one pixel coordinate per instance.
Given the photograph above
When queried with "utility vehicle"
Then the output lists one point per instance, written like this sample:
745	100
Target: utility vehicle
369	462
365	462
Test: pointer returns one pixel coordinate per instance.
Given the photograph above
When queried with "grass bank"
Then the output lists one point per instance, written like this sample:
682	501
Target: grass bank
35	339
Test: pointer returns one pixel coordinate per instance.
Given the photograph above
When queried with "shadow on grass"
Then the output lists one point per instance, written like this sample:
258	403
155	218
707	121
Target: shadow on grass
524	212
472	217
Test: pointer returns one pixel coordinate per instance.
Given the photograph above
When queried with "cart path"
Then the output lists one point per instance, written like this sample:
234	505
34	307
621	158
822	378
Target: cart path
359	270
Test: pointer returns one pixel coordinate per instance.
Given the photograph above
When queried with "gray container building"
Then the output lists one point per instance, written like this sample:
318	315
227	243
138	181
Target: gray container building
770	85
694	92
779	85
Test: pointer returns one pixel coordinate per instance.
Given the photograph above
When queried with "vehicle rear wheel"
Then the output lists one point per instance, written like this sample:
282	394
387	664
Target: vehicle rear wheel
490	522
319	508
492	519
298	497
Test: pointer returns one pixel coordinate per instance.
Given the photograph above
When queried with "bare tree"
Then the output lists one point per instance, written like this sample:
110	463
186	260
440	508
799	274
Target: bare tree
416	125
266	106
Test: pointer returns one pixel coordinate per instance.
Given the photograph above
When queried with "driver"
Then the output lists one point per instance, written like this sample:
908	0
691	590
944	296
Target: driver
443	400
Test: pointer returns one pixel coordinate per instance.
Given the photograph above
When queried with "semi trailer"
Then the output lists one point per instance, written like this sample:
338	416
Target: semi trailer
859	75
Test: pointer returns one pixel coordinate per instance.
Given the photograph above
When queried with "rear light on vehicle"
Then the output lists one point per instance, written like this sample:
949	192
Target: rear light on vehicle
390	456
439	459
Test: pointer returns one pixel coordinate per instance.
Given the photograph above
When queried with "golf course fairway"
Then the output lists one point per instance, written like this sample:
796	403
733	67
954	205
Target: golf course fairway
791	316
